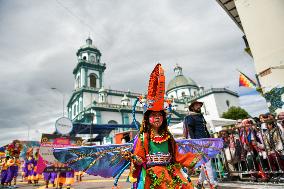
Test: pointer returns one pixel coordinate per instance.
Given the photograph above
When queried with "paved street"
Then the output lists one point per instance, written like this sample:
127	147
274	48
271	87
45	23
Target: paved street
92	182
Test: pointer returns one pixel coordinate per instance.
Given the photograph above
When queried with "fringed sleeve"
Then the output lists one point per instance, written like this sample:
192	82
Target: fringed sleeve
138	159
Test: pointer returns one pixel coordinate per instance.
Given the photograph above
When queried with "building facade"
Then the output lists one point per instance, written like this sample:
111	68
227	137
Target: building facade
183	90
107	106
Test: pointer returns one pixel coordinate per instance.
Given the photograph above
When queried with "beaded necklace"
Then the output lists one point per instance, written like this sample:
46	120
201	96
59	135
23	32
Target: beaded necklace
159	139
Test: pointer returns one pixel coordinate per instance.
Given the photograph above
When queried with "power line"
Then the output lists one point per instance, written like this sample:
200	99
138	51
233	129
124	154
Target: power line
82	21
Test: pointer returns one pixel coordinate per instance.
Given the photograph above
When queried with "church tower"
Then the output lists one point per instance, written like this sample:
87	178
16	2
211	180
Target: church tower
89	70
88	79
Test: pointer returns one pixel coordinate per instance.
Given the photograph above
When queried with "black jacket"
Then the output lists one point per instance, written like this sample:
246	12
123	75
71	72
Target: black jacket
194	126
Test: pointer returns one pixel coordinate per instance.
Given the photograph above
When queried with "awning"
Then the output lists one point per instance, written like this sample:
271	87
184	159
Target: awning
103	130
230	8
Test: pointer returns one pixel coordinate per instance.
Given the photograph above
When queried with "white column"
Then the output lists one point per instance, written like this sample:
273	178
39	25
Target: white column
263	23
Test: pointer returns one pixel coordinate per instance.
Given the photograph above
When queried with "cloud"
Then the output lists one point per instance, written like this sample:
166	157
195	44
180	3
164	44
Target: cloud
39	40
254	104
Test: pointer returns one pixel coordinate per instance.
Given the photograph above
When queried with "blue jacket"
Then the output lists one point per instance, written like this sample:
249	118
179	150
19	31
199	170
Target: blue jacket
194	126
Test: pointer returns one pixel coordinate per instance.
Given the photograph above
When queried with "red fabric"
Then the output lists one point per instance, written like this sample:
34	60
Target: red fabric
184	159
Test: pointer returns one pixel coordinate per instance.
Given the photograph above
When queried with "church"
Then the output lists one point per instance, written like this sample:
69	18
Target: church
114	107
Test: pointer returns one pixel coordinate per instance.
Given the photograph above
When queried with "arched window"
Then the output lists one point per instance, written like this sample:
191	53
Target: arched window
93	81
183	93
112	122
92	59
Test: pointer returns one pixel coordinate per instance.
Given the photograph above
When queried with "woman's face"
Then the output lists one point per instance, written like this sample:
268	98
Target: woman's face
269	126
156	119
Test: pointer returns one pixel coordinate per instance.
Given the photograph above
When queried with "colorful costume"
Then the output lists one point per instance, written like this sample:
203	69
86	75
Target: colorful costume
66	178
29	167
156	167
13	169
50	176
4	171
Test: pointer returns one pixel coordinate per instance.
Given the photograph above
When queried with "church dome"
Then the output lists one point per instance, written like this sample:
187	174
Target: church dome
88	47
180	80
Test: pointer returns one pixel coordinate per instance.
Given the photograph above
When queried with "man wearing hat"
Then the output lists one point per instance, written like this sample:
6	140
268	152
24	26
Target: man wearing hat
194	127
194	123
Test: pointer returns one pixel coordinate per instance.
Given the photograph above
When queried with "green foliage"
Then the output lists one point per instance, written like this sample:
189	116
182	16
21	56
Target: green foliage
235	113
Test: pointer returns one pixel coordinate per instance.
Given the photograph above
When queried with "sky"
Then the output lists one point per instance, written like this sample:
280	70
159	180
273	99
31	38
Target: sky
39	40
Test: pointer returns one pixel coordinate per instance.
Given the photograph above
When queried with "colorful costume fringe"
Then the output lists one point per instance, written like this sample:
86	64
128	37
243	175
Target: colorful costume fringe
66	178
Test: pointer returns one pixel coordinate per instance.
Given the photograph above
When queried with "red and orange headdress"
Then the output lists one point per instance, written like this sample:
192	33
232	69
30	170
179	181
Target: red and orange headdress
155	100
156	91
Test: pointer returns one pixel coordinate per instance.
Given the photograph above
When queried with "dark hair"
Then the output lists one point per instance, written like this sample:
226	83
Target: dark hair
270	122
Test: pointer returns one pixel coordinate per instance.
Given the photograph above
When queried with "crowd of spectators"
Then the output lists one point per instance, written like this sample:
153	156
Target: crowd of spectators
255	147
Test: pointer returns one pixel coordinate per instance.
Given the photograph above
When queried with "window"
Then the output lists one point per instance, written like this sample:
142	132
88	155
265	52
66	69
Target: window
92	59
125	119
78	82
93	81
183	93
99	117
112	122
228	103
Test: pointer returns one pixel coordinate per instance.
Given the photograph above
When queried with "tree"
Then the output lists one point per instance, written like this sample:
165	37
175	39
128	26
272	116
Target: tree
235	113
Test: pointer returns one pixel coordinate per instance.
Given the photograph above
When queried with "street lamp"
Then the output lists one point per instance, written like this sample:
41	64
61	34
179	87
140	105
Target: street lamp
91	116
63	97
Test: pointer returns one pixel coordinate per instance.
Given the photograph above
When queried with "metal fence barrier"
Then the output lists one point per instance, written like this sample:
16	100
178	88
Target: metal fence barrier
252	151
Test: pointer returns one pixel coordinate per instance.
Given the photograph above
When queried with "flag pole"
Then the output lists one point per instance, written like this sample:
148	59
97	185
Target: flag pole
259	87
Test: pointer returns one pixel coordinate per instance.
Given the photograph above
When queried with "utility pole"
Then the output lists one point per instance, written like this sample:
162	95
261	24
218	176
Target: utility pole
63	99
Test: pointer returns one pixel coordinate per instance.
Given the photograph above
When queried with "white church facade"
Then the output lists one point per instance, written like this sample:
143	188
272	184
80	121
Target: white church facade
108	106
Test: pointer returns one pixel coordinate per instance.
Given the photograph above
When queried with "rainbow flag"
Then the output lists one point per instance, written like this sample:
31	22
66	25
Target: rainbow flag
245	81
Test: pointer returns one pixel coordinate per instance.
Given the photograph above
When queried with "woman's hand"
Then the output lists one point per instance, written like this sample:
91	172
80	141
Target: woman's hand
126	155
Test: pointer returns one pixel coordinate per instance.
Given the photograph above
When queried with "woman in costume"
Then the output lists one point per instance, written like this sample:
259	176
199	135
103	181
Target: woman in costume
4	171
49	177
35	175
66	178
29	164
14	162
156	161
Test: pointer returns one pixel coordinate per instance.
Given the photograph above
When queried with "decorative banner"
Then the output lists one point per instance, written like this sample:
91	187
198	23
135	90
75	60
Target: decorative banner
106	161
48	143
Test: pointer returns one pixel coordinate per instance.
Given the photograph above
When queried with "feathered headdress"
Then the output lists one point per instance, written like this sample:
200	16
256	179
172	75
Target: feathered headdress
14	149
156	91
155	99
